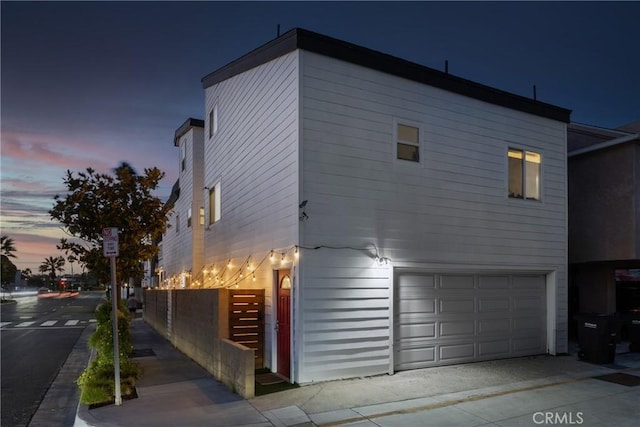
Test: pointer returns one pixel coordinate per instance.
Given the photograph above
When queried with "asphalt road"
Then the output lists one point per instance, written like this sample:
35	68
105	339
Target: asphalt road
37	335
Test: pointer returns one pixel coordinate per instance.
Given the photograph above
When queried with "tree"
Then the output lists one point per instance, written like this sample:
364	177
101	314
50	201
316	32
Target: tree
8	270
8	247
51	266
125	201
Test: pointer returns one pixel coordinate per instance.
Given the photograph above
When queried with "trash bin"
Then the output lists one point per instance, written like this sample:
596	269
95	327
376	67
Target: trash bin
597	338
634	334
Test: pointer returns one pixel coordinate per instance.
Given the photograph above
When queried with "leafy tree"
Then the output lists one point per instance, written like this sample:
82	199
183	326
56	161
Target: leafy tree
8	247
8	270
26	274
125	201
51	266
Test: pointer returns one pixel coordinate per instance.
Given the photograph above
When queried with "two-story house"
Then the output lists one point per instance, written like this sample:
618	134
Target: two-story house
397	216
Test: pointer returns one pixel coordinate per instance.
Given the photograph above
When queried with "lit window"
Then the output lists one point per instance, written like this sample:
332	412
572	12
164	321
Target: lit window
189	218
524	174
408	143
201	215
214	204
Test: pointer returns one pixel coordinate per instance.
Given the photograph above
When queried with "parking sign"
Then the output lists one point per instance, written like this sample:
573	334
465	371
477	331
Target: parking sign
110	241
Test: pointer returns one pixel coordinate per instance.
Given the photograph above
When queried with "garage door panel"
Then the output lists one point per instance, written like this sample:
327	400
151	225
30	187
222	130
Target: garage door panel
494	348
456	352
417	357
493	282
457	328
420	330
456	282
467	317
423	305
451	305
528	303
494	326
493	304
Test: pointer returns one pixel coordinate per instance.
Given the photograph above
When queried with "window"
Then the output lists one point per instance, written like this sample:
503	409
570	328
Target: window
524	174
408	142
189	218
214	204
177	223
201	215
183	154
213	121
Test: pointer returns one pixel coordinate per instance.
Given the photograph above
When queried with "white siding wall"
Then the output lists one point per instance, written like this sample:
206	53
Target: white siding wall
254	157
451	209
195	168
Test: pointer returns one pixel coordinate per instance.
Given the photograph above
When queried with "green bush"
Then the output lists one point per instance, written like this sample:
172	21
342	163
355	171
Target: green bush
97	383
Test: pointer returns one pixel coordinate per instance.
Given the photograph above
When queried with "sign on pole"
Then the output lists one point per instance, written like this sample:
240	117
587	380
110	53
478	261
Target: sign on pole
110	241
110	248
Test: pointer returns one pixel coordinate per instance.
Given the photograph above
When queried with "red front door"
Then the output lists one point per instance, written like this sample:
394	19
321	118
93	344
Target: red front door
284	322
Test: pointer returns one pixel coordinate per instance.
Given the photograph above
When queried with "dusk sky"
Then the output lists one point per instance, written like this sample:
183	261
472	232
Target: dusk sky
90	84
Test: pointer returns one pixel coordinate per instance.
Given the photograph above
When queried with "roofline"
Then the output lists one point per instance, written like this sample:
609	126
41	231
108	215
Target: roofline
299	38
606	144
185	127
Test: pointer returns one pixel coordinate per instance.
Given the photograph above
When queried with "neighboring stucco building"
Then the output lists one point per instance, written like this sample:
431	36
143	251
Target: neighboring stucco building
604	212
397	216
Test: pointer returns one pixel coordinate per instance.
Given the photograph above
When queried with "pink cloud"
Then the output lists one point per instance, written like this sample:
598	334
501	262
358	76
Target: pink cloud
46	150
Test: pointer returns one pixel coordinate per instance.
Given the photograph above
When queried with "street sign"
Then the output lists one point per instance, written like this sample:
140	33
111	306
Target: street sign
110	241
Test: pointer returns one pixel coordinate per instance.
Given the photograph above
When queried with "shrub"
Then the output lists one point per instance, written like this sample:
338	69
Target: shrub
97	383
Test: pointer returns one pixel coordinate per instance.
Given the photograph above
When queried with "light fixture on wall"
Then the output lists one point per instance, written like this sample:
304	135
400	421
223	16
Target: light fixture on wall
303	215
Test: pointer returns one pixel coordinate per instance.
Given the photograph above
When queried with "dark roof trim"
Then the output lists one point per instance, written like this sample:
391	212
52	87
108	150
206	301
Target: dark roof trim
185	127
303	39
175	195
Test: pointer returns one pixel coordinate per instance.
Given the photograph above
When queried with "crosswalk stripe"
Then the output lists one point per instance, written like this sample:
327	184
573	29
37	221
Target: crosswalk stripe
49	323
24	324
3	324
71	322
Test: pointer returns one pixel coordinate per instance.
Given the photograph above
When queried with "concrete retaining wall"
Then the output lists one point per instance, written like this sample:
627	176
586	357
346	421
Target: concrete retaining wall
196	321
238	368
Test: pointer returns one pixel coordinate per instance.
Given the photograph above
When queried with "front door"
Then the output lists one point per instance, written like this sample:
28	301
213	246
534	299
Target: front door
283	324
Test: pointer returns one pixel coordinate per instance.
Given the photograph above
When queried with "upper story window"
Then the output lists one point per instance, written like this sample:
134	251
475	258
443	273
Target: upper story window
407	142
524	174
213	121
214	204
183	155
189	218
201	222
177	223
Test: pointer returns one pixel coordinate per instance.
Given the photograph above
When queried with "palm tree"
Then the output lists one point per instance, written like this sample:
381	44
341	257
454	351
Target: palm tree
52	265
8	247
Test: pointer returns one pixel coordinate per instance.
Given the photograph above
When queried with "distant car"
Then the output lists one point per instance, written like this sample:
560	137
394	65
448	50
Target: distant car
44	290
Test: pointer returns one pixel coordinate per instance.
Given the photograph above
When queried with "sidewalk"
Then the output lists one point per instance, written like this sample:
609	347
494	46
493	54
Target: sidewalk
174	390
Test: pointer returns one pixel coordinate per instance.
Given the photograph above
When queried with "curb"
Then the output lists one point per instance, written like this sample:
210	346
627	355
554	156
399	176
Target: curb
58	406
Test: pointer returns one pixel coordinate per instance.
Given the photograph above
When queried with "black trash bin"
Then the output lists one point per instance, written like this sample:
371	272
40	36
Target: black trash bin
597	338
634	334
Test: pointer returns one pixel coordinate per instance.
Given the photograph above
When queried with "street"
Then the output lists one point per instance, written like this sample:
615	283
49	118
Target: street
37	335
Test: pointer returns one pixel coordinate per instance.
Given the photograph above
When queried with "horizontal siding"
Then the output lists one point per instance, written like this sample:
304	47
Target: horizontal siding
344	315
450	209
254	156
456	197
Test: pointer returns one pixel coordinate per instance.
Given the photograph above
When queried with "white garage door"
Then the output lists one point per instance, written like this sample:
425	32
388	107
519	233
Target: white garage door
443	319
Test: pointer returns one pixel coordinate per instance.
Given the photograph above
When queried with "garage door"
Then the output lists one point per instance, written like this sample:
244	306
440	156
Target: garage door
443	319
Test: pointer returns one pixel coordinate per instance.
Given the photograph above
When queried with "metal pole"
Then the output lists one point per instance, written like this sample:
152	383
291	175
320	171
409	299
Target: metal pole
116	351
